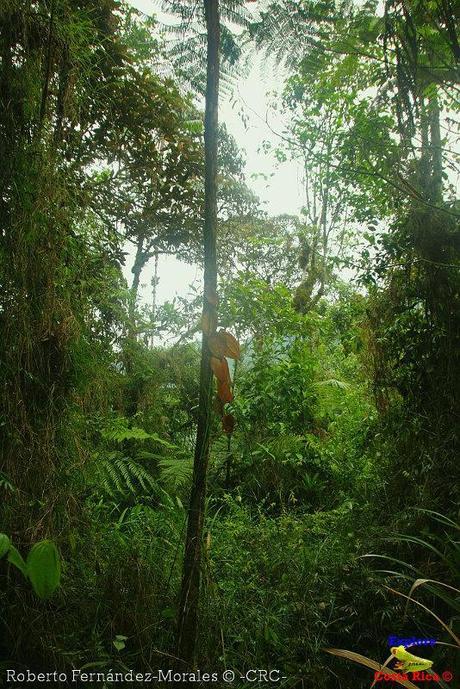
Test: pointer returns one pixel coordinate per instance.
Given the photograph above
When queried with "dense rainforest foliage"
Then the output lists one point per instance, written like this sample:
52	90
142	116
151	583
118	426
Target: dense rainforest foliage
329	514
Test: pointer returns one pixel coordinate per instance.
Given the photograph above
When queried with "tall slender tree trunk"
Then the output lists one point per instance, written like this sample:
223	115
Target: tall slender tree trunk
191	575
431	164
131	329
154	284
425	154
436	148
140	260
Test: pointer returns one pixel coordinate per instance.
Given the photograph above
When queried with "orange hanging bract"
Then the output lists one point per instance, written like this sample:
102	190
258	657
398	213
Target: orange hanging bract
220	369
224	344
224	392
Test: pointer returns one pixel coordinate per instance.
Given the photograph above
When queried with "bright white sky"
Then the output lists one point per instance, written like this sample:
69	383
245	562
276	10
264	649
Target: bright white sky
281	193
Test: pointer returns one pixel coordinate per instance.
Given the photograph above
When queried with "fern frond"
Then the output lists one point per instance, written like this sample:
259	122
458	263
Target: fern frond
120	476
333	383
119	431
288	30
175	473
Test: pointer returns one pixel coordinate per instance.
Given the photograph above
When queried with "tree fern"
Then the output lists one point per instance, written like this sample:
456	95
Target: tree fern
288	30
187	39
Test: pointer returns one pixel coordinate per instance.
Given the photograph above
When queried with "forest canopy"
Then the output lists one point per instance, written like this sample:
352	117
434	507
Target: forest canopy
261	472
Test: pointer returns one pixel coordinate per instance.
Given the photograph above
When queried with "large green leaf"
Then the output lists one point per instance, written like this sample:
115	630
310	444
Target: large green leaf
44	568
4	544
16	559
